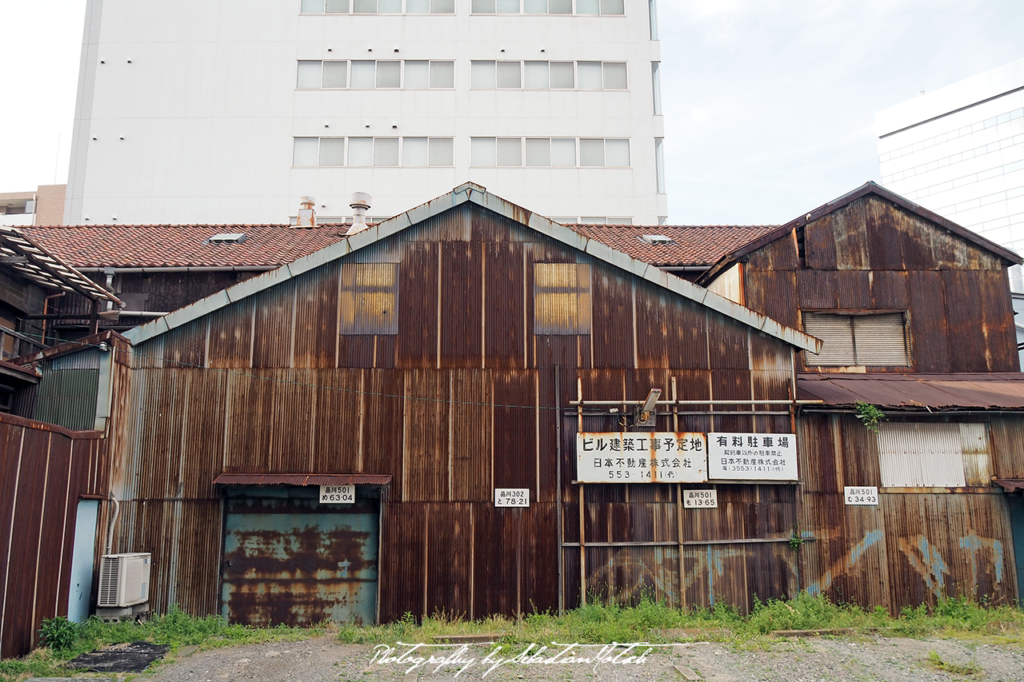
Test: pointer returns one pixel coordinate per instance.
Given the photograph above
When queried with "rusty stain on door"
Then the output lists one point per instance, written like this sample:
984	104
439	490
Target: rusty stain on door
290	560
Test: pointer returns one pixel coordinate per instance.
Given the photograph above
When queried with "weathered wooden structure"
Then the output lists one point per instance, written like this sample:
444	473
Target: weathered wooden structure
872	257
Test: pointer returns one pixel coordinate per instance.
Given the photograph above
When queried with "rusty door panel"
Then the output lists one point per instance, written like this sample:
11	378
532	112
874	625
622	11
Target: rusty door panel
294	561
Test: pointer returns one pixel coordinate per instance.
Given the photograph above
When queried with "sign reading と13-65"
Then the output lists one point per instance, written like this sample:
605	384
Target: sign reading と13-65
338	494
752	456
641	458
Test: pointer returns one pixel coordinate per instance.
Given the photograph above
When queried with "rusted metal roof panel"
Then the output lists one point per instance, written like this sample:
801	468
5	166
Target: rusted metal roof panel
985	391
302	479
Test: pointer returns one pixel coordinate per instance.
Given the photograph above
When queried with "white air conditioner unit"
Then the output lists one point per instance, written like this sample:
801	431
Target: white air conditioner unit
124	580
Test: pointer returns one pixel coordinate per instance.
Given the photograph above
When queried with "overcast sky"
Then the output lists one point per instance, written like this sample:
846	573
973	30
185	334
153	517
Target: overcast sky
769	104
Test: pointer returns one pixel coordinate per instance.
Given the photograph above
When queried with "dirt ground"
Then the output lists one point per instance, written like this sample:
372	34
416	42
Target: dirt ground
841	659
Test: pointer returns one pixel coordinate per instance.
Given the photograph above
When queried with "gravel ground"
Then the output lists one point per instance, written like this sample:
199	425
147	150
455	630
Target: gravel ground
868	658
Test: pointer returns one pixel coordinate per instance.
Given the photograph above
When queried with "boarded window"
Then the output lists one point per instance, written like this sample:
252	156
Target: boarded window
858	340
369	298
916	455
561	298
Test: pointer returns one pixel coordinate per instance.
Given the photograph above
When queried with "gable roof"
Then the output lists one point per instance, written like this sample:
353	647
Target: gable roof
474	194
692	245
162	246
868	188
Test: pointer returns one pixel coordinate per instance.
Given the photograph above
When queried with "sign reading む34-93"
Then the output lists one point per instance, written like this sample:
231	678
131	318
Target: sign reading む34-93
685	457
641	457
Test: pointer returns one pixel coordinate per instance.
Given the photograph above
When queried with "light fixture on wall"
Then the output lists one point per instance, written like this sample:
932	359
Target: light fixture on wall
645	414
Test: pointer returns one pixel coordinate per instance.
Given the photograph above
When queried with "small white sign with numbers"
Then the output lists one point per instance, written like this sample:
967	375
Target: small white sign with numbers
338	494
862	496
511	497
700	499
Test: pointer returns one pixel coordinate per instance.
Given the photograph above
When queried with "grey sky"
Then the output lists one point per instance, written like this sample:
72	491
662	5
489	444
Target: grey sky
769	104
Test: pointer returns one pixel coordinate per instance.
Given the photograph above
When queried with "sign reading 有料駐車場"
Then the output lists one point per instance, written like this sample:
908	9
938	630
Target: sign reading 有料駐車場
752	456
641	458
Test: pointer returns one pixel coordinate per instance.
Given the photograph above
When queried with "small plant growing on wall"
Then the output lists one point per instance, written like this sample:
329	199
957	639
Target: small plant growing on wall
870	416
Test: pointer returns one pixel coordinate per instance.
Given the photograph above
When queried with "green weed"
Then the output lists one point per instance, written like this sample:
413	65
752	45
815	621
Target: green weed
967	670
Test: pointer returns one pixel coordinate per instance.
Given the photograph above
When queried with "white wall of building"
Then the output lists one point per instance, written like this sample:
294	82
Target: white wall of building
959	151
187	111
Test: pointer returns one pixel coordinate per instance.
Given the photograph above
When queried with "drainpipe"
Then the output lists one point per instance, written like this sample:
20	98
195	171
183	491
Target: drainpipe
113	521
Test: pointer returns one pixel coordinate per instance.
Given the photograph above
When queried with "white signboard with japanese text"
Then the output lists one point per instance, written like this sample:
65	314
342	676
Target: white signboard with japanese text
700	499
338	494
641	458
861	496
752	456
511	497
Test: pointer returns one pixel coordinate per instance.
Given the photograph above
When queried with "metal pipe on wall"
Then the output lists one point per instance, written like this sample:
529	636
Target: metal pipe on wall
558	487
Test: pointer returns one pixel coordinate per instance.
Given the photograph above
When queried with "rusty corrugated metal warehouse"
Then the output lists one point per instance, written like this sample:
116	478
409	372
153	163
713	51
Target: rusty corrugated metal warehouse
460	348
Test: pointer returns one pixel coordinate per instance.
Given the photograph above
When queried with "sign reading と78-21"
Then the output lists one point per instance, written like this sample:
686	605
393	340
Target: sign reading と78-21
641	457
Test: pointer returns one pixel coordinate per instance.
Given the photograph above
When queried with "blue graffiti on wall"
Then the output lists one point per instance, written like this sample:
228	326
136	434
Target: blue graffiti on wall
870	539
973	543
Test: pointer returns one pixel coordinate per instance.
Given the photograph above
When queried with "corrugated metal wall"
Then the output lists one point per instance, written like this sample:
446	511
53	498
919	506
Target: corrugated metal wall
44	470
462	400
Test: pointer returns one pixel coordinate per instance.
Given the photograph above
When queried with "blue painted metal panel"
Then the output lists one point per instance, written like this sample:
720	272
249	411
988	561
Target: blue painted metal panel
82	561
1016	503
289	559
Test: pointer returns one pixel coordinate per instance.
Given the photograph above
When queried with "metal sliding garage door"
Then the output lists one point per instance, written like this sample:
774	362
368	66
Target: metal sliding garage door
289	559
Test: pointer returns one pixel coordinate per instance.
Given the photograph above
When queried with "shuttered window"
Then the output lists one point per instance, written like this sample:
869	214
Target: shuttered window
369	298
917	455
858	340
561	298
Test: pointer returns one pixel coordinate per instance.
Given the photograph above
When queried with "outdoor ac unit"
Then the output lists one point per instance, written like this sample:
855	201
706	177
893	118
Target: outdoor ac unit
124	580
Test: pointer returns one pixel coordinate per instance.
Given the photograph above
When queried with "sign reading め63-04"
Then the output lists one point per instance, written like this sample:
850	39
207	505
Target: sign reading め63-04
752	456
641	457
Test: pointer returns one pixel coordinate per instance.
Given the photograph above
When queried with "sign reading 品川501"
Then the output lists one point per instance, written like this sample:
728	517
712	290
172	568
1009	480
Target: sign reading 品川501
685	457
641	457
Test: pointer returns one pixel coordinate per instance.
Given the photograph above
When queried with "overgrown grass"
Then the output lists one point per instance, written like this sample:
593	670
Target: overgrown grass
593	624
964	670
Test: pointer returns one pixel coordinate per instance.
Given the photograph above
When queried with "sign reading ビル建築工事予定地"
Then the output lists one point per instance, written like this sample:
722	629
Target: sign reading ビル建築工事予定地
641	458
752	456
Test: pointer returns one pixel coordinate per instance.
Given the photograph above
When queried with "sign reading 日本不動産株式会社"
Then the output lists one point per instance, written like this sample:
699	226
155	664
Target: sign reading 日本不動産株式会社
641	457
752	456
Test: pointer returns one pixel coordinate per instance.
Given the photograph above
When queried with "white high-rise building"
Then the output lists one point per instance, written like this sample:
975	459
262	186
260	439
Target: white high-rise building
230	111
959	151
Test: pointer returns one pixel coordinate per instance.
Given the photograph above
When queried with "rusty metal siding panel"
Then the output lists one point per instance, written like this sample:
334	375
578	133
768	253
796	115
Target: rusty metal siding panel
382	435
293	423
890	290
449	559
418	305
966	332
773	294
274	326
426	474
998	322
776	256
613	324
471	430
977	460
403	560
883	238
850	235
819	244
818	290
67	397
627	575
248	430
727	344
186	345
854	289
337	445
369	299
514	430
462	304
203	433
859	460
929	330
1007	437
316	317
564	298
504	301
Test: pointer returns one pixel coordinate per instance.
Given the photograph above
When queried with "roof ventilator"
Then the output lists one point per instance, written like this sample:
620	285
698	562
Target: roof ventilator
656	239
360	204
227	238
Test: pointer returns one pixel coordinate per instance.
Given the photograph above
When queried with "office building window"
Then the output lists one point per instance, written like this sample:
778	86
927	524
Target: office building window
582	7
877	340
549	152
370	74
659	163
656	86
369	298
369	151
378	6
488	75
562	300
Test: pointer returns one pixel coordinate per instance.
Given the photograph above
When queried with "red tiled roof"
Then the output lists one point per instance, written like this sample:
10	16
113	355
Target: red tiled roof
693	245
156	246
135	246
